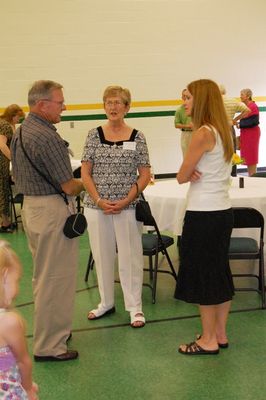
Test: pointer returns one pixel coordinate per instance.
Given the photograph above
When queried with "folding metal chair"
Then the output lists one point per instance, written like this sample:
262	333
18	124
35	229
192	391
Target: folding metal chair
13	200
247	248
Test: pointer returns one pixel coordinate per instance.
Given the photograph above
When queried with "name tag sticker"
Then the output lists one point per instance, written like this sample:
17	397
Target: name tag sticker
129	145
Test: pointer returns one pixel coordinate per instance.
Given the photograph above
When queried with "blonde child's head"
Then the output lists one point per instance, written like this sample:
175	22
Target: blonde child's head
10	272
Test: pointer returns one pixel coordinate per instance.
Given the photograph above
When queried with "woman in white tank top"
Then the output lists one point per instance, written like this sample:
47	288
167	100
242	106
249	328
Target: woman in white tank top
204	275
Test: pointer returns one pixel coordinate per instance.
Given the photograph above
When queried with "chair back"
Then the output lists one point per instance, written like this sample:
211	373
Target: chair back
149	219
248	217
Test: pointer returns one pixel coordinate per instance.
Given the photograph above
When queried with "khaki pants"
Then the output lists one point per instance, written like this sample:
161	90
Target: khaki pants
55	259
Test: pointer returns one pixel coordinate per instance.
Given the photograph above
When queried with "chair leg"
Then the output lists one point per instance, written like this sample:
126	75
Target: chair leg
262	279
170	264
154	271
13	213
178	244
154	283
89	267
151	268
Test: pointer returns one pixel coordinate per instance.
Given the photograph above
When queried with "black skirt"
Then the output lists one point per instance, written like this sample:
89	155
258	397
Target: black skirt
204	275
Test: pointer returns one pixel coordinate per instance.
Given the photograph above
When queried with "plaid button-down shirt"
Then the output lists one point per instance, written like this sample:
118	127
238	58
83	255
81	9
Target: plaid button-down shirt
47	151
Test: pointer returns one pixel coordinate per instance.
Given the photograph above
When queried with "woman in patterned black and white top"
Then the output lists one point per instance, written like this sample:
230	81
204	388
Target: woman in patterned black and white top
115	157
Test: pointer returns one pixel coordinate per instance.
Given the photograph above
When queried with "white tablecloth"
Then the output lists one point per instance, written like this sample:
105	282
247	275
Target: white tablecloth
168	200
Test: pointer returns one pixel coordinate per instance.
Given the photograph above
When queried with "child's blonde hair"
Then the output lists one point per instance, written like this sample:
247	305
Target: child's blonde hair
8	261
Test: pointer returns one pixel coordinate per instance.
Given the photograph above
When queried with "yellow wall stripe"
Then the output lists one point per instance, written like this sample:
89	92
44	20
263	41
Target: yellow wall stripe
134	104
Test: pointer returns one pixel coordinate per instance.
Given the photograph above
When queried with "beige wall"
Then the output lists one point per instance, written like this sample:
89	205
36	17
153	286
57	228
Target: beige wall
153	47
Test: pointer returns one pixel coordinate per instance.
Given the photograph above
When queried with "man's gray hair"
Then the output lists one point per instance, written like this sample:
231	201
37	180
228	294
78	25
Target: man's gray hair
41	90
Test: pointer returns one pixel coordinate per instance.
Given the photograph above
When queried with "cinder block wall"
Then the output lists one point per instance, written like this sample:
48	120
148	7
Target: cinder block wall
153	47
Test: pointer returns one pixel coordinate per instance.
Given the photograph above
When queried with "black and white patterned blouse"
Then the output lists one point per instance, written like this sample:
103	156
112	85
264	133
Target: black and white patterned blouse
114	164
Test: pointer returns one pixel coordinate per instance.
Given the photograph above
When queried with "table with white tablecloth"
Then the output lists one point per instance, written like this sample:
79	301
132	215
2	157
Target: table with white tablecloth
168	200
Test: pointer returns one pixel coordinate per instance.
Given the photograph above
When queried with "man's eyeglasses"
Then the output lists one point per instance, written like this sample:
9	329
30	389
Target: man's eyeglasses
61	103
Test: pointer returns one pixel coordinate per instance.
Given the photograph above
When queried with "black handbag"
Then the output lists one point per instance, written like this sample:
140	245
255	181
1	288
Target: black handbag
249	122
143	212
76	223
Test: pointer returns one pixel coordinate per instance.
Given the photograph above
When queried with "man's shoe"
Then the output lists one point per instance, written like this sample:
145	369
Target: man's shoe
69	355
6	229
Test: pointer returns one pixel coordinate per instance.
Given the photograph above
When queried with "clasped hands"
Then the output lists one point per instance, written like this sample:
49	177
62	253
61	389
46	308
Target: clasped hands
113	207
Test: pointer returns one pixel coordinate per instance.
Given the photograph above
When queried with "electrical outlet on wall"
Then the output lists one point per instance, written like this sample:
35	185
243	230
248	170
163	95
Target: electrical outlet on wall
72	124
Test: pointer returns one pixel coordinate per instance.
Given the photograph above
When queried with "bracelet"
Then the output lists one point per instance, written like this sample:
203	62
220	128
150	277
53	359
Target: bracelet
98	201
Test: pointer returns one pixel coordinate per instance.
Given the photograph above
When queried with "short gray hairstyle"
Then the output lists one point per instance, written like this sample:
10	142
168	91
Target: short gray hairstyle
113	91
247	92
42	90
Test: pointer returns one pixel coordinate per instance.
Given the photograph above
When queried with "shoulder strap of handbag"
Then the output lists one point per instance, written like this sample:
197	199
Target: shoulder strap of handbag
40	172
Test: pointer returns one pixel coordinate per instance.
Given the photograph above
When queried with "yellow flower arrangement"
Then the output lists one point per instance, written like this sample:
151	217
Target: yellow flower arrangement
237	160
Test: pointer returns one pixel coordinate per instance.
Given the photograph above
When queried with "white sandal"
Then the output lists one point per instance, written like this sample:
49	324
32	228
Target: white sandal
100	312
137	316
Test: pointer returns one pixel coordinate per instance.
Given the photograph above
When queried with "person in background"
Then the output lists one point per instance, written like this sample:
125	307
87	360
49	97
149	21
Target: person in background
15	363
115	170
55	257
8	120
204	275
183	122
249	133
235	110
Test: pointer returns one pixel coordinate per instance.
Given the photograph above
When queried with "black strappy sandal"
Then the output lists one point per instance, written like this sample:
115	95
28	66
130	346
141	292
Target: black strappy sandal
193	349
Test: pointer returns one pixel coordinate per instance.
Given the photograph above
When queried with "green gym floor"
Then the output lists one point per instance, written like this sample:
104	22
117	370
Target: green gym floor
120	363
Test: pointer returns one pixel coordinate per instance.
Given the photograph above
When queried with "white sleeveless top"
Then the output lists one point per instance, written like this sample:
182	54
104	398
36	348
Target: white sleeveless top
210	192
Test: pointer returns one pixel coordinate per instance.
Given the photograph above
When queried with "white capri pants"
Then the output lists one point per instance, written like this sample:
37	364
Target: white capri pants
121	232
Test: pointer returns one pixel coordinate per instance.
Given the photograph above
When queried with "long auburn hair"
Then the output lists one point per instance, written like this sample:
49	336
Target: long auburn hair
11	111
208	109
